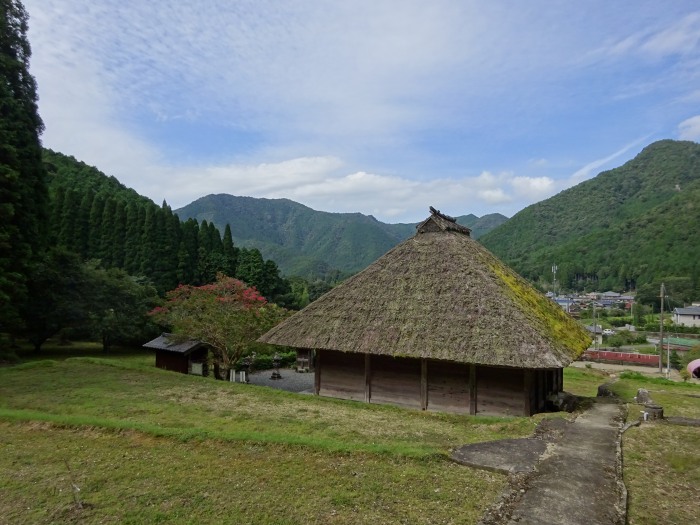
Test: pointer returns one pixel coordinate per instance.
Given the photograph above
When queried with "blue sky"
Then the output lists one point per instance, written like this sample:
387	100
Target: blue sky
381	107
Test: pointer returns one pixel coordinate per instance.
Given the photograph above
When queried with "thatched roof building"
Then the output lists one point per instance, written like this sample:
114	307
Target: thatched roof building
439	296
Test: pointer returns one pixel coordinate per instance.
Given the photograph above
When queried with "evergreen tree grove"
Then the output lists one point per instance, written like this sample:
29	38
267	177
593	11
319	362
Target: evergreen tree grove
23	189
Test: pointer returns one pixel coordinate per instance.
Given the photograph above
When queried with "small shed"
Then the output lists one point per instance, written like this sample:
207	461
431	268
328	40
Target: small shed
437	323
186	357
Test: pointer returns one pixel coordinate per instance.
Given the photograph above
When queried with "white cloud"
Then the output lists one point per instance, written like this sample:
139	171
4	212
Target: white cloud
346	69
533	188
591	168
679	37
495	196
689	129
682	37
308	93
280	179
320	183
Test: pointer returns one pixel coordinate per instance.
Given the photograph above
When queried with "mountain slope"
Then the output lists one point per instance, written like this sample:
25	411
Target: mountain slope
481	225
304	241
625	227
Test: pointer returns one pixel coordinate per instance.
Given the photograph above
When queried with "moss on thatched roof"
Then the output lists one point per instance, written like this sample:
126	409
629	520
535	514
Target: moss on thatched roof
439	295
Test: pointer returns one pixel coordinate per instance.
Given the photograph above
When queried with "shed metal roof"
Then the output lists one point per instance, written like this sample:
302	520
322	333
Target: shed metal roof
171	343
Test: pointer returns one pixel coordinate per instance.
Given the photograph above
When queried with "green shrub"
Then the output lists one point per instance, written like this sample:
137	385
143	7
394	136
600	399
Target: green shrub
8	355
642	378
265	361
685	375
691	355
625	337
615	341
619	322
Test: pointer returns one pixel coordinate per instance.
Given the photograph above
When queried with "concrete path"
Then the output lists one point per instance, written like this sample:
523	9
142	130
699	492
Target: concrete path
578	480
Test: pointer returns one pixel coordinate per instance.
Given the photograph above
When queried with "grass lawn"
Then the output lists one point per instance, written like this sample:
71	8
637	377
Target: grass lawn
148	446
661	461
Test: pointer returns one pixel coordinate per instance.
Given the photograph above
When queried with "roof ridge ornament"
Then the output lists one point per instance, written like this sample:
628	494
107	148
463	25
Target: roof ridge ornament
440	214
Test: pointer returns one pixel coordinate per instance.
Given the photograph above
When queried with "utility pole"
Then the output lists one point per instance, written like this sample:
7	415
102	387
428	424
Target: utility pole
595	330
554	282
661	330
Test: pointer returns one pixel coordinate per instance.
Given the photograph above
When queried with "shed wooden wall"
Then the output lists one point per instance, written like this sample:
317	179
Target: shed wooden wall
172	361
178	362
435	385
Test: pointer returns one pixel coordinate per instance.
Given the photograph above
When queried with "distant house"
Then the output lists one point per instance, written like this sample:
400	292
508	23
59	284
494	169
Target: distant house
688	316
186	357
437	323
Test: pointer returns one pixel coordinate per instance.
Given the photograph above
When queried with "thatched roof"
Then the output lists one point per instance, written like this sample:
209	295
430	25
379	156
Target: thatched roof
438	295
172	343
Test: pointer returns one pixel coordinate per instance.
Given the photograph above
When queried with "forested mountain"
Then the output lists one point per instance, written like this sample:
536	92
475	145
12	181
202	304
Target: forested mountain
307	242
97	217
481	225
627	227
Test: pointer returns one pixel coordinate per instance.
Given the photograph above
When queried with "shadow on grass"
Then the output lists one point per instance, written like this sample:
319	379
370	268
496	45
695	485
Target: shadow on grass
60	351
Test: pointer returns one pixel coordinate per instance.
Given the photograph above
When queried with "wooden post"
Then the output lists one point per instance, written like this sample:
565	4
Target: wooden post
527	393
317	373
472	389
561	380
368	378
424	384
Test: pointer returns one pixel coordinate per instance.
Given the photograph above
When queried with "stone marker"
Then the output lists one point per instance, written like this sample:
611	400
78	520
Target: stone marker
642	397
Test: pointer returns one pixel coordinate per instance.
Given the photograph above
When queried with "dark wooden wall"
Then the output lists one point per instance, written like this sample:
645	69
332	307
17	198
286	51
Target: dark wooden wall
172	361
341	375
448	387
435	385
177	362
500	391
396	381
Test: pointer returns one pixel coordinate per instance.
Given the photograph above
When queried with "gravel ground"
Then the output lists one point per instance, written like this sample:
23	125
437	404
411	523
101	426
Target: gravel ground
291	381
647	370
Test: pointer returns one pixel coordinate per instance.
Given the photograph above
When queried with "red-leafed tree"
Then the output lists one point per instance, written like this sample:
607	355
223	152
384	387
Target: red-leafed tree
228	315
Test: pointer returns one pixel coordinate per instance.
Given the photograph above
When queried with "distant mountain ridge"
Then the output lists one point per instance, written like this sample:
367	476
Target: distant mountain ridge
307	242
631	225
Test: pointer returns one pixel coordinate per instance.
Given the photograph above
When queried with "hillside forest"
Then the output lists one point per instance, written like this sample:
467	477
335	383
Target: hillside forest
82	256
629	228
